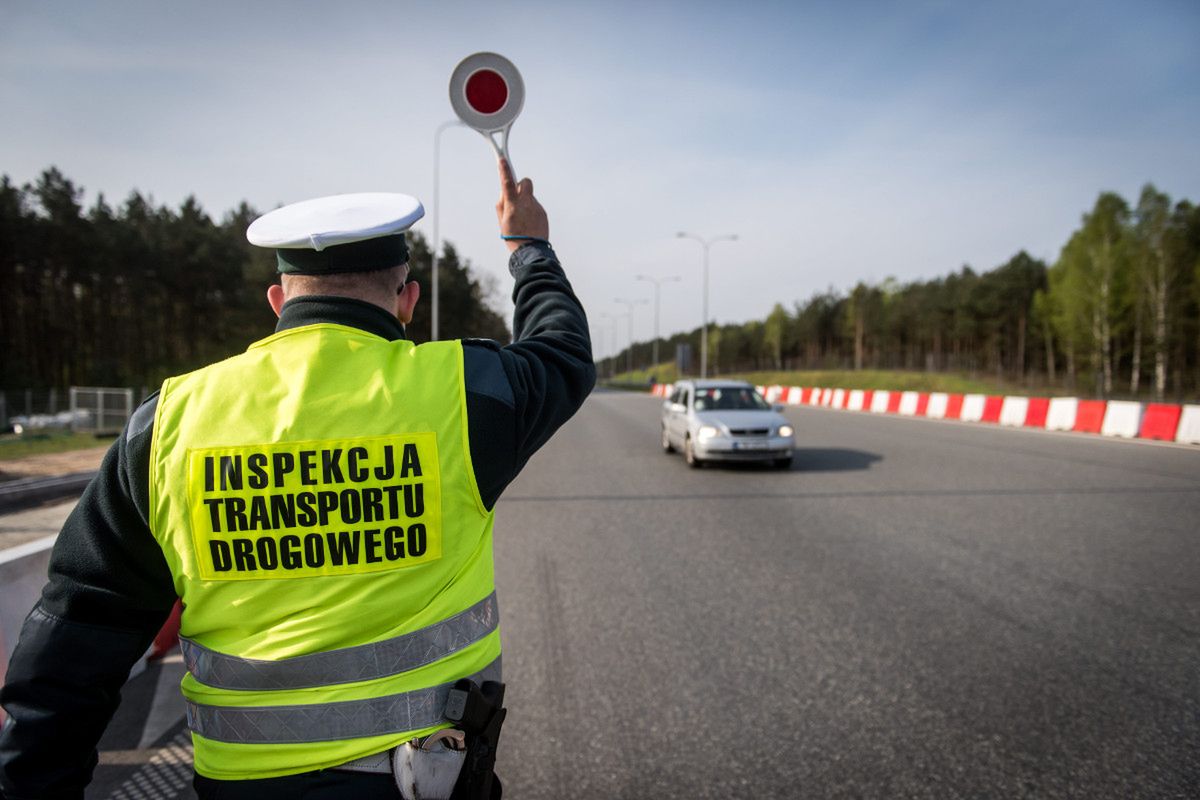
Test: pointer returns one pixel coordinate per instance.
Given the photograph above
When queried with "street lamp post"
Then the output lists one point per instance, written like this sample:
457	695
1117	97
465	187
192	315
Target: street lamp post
658	282
437	242
705	243
630	304
612	359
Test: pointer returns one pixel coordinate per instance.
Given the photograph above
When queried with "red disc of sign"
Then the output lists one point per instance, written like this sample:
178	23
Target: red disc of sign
486	91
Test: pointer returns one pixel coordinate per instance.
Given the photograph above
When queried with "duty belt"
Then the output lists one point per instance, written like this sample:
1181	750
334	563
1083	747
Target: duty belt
383	762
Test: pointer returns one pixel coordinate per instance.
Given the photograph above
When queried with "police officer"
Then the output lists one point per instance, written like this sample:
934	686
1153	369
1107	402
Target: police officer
323	505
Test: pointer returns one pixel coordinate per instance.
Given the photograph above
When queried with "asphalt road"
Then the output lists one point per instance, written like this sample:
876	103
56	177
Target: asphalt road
915	609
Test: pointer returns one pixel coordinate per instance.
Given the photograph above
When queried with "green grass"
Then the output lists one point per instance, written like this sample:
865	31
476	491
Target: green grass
665	373
897	380
12	446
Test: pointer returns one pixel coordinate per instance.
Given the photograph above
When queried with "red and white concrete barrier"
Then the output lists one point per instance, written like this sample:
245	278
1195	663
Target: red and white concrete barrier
1039	408
992	405
937	405
972	408
1122	418
954	406
1160	421
1089	416
1119	418
1060	416
1013	411
1189	425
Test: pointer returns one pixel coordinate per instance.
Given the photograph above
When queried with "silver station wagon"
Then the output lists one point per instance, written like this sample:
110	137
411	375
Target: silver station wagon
725	421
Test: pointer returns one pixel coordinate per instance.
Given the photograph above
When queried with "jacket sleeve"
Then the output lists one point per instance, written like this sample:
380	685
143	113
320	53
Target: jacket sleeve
109	592
520	394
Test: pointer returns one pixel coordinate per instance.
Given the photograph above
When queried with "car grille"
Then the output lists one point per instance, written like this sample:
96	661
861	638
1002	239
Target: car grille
749	431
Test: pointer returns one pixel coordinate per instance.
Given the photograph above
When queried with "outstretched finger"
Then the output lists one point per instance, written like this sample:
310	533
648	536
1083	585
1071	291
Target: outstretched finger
508	186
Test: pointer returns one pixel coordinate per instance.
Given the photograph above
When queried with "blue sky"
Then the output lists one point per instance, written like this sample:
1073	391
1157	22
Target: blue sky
840	141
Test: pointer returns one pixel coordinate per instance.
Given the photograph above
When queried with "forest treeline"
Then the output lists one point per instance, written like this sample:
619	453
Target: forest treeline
127	296
1118	314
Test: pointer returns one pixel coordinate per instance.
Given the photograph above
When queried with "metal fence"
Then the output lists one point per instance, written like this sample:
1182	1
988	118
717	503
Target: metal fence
98	409
83	409
27	402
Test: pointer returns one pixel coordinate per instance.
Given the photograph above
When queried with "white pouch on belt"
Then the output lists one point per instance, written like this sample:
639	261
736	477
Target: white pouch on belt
429	772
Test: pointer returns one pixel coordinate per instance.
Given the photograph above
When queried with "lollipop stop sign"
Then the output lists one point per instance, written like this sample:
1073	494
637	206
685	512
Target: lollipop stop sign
487	93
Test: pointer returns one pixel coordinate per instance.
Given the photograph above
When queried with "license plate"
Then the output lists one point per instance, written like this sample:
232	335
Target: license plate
749	445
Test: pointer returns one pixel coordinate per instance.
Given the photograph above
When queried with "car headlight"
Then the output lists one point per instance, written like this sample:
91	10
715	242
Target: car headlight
785	430
707	432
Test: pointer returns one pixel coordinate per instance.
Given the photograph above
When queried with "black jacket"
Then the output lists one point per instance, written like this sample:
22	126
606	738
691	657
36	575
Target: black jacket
110	589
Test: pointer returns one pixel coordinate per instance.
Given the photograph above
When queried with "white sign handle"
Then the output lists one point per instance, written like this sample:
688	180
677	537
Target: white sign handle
489	121
501	149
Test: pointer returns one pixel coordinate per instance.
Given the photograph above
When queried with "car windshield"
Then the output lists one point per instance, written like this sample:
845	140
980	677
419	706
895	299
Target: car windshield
729	398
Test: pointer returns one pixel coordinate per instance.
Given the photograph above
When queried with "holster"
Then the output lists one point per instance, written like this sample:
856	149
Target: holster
478	711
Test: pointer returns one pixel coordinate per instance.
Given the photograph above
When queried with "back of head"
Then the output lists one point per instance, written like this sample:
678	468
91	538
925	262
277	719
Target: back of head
378	286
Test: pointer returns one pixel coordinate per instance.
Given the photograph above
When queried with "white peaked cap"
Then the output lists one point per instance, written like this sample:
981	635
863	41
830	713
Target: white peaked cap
337	219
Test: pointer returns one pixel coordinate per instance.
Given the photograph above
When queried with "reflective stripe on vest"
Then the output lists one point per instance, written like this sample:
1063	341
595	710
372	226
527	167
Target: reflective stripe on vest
327	722
362	663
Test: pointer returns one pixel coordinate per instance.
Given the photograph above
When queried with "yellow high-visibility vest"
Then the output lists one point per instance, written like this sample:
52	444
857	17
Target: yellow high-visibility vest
315	500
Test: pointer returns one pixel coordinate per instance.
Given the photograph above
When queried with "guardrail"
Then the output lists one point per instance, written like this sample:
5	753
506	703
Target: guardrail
629	386
30	492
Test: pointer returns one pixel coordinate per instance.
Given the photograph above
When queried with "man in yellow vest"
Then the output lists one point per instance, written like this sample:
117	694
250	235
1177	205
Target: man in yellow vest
322	504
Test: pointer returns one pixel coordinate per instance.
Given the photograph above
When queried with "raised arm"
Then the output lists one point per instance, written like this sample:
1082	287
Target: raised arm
518	395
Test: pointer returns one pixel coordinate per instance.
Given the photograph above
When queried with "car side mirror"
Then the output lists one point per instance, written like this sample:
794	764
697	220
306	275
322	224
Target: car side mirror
778	407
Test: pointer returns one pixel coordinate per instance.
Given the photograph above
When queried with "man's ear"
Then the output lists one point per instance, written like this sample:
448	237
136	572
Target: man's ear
276	297
406	301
